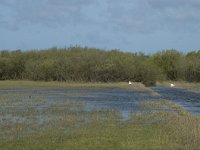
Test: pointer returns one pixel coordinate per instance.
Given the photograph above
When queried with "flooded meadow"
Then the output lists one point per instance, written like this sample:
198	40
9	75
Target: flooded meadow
57	114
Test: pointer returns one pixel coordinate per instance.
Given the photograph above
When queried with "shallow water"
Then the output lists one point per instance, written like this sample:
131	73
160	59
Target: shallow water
187	99
35	103
40	100
116	99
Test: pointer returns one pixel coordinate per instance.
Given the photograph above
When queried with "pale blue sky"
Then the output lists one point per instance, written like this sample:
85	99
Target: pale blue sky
129	25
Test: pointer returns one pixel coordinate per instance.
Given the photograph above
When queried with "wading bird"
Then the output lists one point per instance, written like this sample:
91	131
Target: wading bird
172	85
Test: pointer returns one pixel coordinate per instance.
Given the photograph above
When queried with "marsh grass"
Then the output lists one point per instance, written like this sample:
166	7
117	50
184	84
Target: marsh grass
167	104
33	84
74	130
167	131
35	125
153	93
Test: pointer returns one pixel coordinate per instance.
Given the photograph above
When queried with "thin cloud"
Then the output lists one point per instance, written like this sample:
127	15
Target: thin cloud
104	23
138	16
47	12
147	16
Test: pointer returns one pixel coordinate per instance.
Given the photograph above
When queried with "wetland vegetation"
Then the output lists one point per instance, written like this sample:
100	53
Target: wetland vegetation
88	104
54	115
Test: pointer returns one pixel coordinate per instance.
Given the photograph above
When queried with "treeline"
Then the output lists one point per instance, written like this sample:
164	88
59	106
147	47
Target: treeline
95	65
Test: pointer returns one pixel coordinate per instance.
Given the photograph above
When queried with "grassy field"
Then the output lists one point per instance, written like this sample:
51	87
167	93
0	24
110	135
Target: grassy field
33	84
58	127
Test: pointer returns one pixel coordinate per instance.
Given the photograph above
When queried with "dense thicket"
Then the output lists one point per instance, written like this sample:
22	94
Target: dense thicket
95	65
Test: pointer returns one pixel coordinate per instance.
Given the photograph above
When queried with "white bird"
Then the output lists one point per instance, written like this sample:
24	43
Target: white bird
130	83
172	85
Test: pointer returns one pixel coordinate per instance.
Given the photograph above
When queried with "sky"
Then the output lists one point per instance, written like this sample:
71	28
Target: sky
129	25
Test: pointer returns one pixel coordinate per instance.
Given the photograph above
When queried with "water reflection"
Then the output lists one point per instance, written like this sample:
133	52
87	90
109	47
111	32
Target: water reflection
121	100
